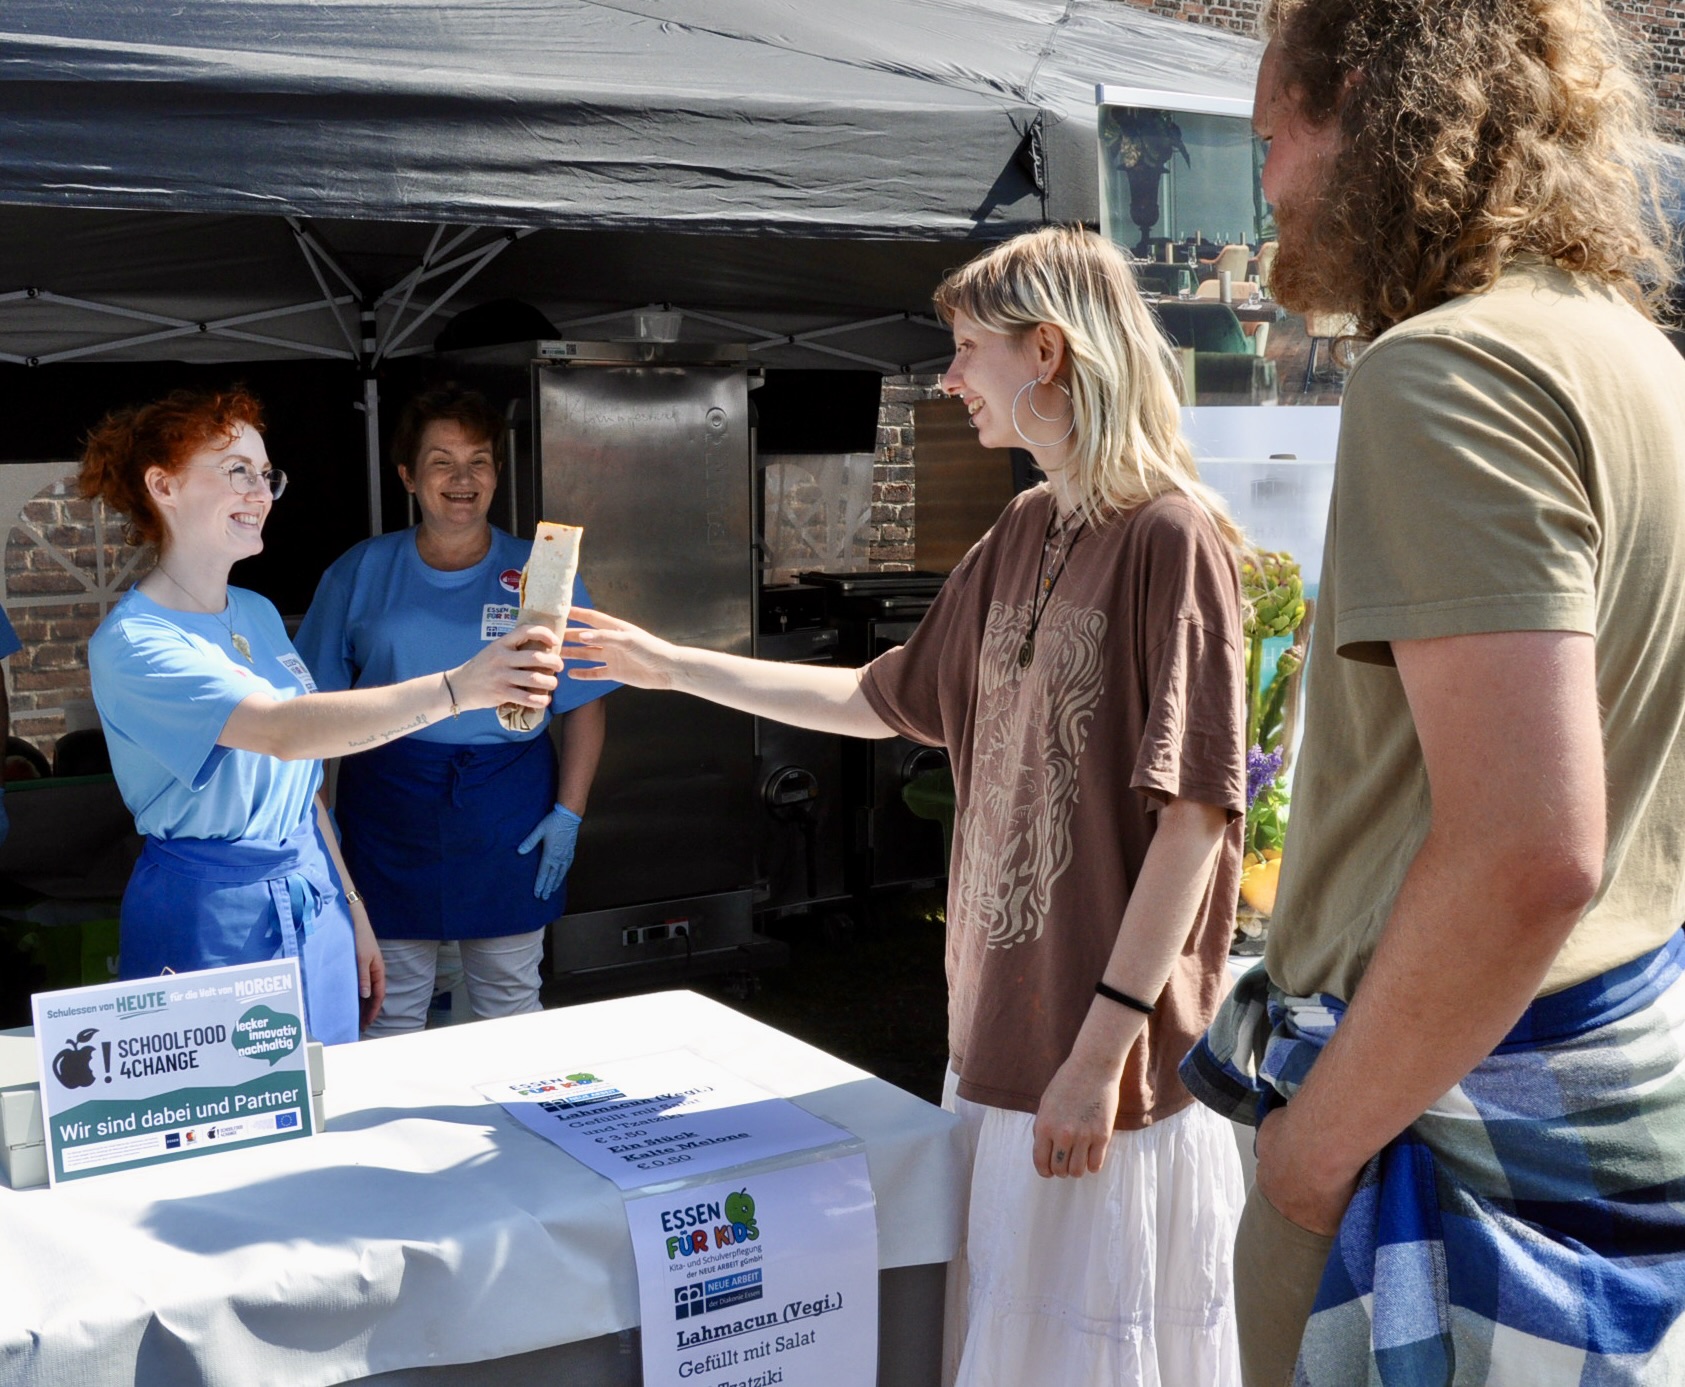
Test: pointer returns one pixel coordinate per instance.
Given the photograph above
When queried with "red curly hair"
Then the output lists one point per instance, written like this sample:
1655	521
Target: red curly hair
166	433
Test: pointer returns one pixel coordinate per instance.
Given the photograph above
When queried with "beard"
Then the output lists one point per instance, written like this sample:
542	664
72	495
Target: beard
1312	268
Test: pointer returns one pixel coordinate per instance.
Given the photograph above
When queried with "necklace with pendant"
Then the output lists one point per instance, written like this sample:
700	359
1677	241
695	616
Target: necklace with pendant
239	642
1051	574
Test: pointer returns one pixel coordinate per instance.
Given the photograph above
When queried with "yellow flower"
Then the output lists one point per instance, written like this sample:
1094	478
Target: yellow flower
1258	879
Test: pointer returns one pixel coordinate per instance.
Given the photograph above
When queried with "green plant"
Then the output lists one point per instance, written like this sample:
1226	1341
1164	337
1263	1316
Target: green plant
1275	607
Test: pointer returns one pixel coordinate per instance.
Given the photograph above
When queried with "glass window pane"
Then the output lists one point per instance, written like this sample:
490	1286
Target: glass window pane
1181	191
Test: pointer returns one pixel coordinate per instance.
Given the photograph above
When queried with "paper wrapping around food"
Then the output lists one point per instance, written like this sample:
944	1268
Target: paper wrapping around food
546	600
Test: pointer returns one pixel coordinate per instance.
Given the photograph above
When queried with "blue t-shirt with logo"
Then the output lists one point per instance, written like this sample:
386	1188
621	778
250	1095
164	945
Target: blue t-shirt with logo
383	614
165	683
9	642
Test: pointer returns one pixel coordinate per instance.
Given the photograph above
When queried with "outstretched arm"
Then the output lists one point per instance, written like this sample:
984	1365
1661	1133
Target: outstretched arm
814	696
320	725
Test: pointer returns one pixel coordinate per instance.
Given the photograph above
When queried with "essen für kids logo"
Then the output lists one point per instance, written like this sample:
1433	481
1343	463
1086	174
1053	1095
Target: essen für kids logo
553	1088
698	1227
559	1095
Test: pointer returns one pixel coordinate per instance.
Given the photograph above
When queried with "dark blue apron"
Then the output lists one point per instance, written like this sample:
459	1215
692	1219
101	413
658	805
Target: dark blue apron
429	832
205	902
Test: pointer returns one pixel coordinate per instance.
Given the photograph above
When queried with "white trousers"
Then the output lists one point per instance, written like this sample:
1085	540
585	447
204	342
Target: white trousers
501	976
1123	1278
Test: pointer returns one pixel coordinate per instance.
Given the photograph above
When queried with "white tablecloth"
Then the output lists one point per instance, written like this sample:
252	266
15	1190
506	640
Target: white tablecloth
425	1226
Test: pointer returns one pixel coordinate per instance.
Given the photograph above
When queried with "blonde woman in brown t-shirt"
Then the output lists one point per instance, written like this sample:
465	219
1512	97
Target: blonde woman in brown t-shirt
1083	666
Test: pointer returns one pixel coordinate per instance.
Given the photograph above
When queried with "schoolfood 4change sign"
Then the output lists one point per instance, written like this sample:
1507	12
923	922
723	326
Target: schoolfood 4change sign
137	1073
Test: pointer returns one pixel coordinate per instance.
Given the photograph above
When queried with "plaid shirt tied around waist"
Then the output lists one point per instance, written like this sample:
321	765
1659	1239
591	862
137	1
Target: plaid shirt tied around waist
1529	1227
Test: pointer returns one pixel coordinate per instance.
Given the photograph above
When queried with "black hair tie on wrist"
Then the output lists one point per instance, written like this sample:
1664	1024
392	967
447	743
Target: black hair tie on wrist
1123	999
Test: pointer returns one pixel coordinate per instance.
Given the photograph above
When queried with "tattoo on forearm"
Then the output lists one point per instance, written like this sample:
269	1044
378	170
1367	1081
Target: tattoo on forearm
358	743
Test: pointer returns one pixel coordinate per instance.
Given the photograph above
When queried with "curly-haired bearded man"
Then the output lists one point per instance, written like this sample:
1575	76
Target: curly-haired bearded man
1468	1043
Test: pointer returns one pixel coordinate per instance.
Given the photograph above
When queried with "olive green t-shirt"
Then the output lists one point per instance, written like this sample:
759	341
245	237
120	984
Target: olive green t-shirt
1509	461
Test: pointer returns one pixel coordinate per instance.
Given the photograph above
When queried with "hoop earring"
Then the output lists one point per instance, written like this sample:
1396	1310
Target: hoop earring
1019	428
1053	418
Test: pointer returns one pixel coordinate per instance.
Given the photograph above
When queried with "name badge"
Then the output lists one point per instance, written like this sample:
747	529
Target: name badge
299	671
497	621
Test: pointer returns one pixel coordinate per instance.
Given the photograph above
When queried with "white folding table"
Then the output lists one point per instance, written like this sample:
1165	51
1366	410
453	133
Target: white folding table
426	1233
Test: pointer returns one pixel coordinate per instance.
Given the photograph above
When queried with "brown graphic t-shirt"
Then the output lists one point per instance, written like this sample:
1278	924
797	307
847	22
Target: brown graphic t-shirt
1135	695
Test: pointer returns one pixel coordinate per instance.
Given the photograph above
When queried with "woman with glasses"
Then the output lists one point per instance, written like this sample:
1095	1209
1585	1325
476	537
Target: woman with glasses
215	727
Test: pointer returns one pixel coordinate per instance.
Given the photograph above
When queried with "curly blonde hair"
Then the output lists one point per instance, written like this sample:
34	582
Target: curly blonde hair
1127	441
1474	131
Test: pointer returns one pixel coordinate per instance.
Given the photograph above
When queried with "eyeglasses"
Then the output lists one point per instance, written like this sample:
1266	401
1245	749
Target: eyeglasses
247	482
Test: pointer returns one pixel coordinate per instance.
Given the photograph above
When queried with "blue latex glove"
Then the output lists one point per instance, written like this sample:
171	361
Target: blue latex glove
559	832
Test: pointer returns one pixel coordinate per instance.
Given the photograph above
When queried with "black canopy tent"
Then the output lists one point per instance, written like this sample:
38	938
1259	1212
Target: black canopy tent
224	159
329	181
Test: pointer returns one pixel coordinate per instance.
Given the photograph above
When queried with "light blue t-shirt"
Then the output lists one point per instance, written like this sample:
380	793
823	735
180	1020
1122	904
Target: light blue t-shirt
382	614
165	683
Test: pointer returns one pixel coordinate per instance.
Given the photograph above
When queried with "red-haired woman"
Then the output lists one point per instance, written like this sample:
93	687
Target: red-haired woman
216	730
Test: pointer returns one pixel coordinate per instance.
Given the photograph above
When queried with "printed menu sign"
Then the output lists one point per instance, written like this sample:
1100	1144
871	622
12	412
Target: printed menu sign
768	1280
660	1117
136	1073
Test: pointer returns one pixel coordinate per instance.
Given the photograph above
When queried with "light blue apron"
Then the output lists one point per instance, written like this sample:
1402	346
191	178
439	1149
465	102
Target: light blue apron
205	902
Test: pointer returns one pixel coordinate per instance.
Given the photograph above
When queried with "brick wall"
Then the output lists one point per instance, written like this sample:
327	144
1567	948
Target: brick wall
890	540
52	668
1239	15
1658	25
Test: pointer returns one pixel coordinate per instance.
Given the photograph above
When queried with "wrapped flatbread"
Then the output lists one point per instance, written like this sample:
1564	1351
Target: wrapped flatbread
546	600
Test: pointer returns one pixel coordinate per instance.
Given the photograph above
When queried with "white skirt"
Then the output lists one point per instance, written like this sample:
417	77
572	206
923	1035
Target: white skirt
1123	1278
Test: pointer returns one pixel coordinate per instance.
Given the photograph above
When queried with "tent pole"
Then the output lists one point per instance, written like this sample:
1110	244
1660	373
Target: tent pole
371	419
371	439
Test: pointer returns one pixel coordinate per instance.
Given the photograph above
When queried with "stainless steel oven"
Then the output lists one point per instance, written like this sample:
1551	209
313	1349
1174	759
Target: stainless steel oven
890	846
648	447
801	837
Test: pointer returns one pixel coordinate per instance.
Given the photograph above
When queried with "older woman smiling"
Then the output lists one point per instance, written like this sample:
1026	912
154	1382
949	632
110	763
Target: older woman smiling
434	824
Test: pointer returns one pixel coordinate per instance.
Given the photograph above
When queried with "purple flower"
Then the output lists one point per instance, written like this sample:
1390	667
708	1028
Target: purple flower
1262	767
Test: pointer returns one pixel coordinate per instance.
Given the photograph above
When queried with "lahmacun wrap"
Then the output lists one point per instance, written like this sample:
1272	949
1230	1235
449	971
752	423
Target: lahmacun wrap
546	600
